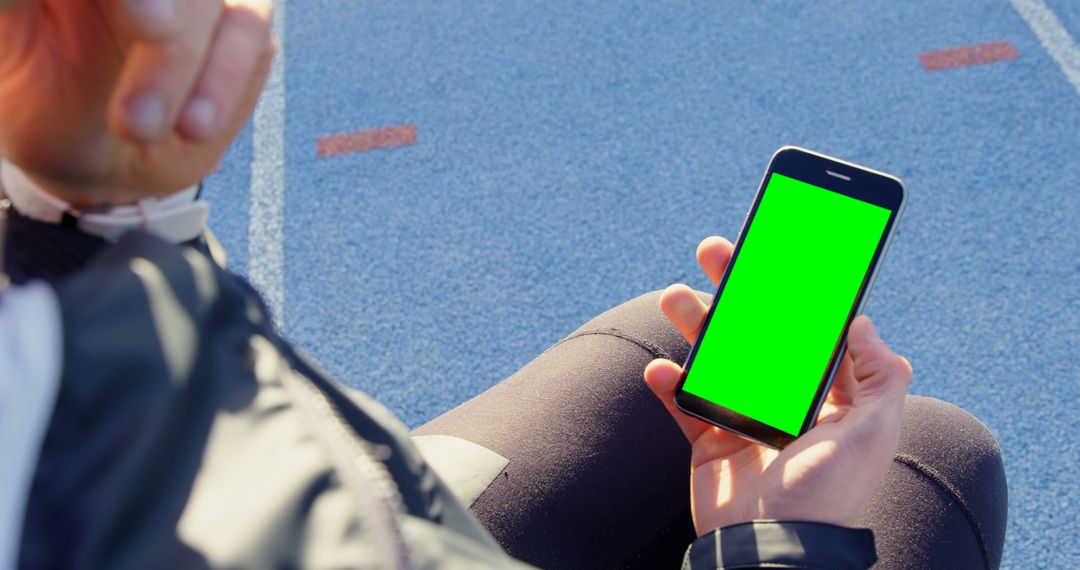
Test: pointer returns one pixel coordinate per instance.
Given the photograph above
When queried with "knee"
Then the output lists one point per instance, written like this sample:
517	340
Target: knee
952	450
944	435
641	321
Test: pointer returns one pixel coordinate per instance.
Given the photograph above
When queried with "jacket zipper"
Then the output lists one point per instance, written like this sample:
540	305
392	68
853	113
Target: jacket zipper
358	466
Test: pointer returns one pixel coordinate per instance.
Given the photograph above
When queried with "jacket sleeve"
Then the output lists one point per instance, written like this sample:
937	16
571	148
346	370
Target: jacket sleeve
782	544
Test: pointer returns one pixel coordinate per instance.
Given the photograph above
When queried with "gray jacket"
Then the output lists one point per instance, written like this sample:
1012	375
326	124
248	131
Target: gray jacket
187	433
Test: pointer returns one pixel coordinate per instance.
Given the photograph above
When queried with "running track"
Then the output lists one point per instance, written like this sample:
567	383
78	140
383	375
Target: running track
432	193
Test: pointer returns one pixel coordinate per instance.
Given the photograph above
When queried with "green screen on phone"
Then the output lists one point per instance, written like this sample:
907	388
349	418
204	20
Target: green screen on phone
786	301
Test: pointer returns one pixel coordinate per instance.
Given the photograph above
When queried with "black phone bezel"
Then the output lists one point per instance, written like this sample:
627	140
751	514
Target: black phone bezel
837	176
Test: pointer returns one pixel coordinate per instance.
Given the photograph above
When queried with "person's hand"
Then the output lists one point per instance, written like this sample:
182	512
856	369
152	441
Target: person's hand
826	475
113	100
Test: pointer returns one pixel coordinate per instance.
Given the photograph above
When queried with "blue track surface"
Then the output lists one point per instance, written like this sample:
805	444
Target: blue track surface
572	154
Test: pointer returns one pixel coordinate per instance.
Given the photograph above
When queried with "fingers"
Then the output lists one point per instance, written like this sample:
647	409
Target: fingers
681	305
710	442
245	105
685	310
159	73
242	44
191	68
662	376
152	20
713	255
879	370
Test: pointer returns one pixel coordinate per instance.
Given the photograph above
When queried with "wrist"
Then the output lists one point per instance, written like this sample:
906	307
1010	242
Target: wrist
81	196
783	544
18	180
176	218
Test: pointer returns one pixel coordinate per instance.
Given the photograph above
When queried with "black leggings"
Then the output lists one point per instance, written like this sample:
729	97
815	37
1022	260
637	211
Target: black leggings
599	474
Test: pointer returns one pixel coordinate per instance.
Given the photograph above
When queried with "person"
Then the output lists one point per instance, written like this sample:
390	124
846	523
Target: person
154	417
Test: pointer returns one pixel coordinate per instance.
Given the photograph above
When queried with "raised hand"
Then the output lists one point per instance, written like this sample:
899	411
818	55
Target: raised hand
828	474
108	101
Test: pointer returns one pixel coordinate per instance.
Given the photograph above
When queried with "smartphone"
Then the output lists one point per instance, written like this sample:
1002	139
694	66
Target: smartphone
802	268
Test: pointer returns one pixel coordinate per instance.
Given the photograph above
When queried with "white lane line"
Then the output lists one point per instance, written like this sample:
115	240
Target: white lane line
1053	36
266	216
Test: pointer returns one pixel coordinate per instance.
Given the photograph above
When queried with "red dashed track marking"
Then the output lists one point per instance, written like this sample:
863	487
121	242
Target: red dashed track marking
968	55
363	141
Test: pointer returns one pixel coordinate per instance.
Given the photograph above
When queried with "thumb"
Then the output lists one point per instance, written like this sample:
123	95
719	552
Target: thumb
878	370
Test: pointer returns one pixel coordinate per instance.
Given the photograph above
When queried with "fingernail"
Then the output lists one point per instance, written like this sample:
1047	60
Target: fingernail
160	12
686	306
199	117
146	115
